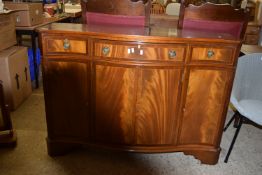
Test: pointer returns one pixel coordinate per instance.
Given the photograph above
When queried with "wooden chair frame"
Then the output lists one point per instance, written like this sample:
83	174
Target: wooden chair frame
7	135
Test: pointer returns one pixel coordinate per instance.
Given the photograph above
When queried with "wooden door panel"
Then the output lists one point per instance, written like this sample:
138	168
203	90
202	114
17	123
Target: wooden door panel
204	106
67	98
156	108
115	102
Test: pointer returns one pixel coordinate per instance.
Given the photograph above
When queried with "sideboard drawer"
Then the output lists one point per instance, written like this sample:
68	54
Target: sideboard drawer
214	54
140	51
65	45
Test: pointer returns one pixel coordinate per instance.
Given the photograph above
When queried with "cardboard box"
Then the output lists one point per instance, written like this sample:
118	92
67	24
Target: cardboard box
14	73
27	14
7	31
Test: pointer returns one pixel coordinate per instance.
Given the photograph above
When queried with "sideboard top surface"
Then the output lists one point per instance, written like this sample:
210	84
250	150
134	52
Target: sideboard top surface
136	33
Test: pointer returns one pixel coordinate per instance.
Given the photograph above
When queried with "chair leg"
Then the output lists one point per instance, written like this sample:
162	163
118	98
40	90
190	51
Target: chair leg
231	120
234	138
236	122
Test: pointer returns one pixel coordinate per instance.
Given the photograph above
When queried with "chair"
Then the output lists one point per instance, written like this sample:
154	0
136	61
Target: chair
246	96
213	17
7	135
121	12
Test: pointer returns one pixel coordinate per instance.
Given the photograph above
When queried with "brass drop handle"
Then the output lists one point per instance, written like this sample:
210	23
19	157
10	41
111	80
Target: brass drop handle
66	44
172	54
105	50
210	53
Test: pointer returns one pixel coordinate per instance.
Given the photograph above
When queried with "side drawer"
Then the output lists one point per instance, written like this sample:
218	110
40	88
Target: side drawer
141	51
212	54
66	45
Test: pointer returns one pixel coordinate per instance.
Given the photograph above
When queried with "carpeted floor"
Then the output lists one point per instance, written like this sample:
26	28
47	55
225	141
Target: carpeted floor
30	156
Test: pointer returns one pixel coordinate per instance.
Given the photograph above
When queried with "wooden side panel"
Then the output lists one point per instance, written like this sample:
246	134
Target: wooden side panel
157	106
204	105
114	100
67	98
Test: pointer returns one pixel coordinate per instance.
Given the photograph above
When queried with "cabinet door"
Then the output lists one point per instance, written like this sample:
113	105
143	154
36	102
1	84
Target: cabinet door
157	106
115	103
66	86
205	104
136	105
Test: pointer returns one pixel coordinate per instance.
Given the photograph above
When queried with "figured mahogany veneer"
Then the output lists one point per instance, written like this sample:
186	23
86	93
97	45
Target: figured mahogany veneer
134	89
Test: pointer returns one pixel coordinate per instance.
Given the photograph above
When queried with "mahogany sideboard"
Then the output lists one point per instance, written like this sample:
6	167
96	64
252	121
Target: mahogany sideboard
137	89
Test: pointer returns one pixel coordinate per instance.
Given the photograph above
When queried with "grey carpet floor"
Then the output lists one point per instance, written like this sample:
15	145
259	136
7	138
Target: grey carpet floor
30	155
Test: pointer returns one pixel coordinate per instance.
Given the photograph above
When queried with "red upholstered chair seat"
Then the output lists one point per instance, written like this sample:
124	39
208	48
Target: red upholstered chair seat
233	28
119	12
213	17
92	17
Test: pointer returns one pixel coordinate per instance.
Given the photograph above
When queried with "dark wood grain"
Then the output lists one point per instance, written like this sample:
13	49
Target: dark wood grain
67	93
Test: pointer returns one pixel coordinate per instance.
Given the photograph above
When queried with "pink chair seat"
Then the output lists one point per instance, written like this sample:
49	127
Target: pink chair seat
102	18
233	28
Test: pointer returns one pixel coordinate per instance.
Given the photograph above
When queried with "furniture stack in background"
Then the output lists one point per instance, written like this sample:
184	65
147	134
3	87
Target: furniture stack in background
7	31
14	68
254	30
26	14
28	17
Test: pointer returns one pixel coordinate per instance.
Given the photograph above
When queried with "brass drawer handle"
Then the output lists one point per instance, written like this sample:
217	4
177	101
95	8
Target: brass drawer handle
172	54
105	50
210	53
66	44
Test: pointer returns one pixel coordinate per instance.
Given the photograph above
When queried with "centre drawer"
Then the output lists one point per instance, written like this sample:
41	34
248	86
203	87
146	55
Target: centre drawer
139	51
212	53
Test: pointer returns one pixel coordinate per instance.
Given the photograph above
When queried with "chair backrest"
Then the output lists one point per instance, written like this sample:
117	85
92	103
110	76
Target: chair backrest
214	17
248	77
123	12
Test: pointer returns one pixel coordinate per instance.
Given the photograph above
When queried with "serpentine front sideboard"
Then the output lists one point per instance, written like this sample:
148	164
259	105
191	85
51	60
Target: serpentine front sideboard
137	89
